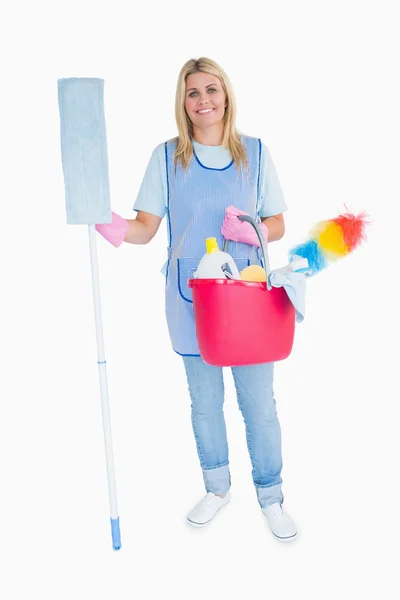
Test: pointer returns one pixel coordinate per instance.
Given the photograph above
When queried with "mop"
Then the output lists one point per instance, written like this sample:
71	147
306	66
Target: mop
87	198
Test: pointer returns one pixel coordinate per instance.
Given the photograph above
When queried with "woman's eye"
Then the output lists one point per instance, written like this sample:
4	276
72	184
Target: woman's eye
193	94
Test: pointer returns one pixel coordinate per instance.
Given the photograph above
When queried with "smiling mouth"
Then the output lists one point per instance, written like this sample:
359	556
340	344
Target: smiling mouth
205	111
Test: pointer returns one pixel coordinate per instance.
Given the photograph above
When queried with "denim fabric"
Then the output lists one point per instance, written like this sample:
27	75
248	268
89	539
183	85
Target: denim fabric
254	388
84	150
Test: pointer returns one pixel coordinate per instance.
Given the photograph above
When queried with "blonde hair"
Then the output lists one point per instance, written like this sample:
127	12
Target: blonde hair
231	137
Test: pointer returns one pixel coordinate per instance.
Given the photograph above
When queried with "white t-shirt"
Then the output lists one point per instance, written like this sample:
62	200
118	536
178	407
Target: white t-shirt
152	196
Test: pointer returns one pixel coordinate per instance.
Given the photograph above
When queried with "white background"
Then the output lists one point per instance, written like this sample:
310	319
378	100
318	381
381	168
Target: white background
318	82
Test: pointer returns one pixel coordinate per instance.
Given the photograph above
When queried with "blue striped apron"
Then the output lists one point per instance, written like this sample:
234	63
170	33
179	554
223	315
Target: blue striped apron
196	205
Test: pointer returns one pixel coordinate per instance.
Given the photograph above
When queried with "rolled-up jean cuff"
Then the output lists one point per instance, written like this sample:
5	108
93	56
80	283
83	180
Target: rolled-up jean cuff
218	480
269	495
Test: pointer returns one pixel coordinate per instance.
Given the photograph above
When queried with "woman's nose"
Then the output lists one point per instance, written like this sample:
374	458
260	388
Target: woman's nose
203	99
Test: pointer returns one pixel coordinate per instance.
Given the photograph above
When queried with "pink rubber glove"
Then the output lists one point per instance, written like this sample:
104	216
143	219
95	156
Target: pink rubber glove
241	231
115	231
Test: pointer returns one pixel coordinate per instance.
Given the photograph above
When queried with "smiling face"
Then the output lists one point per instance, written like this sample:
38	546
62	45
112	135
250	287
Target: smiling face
205	100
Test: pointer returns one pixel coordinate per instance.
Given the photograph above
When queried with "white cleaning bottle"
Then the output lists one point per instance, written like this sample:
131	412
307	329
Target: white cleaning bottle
213	261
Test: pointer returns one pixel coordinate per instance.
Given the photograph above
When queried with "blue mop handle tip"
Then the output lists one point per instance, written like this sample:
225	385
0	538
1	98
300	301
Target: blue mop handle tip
116	535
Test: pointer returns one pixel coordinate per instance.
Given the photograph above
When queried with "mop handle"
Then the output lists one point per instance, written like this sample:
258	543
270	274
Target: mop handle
263	245
115	532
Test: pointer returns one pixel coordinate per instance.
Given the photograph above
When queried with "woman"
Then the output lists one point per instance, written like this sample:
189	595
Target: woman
193	179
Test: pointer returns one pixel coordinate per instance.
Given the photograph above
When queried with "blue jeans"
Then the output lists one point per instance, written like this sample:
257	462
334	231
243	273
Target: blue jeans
254	388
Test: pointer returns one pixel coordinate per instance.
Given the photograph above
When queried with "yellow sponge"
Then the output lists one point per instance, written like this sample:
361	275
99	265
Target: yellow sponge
253	273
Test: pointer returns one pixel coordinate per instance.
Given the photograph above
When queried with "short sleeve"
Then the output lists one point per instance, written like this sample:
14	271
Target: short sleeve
270	196
152	196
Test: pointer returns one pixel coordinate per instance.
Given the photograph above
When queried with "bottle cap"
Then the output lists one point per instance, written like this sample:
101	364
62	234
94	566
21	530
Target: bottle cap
211	245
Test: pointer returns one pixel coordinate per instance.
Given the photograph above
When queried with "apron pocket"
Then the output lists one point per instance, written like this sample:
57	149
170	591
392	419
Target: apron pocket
186	269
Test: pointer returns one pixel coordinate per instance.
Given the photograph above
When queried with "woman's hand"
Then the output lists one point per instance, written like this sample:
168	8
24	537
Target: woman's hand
134	231
115	231
241	231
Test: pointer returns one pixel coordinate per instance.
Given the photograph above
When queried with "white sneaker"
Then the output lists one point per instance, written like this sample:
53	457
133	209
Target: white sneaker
282	526
207	508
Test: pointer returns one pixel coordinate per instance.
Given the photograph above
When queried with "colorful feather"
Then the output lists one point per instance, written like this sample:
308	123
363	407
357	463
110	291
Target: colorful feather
329	237
331	240
353	227
311	251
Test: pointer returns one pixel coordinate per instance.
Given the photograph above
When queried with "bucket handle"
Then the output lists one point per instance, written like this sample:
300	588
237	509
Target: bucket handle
262	244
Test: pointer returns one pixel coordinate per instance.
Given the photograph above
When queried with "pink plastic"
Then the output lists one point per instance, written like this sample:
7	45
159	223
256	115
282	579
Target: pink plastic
242	323
114	232
241	231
